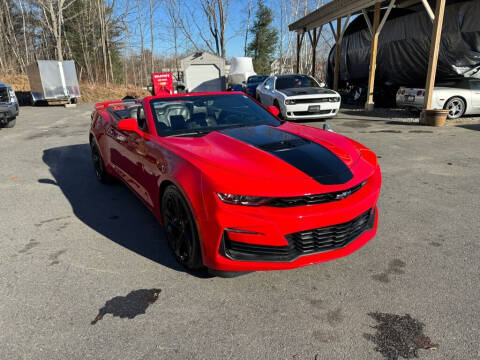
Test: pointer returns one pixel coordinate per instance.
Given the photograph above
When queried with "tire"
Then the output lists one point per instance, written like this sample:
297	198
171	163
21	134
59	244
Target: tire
457	107
10	123
180	229
99	166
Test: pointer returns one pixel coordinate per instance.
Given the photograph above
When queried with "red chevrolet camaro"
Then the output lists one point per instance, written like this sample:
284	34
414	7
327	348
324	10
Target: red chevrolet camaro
235	188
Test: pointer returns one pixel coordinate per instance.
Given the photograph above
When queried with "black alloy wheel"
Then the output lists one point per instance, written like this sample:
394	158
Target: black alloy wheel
102	175
180	229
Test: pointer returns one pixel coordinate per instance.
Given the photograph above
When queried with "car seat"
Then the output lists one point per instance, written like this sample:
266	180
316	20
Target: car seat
141	119
177	122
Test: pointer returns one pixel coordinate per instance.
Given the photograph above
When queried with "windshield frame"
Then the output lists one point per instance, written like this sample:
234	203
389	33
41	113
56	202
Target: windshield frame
270	119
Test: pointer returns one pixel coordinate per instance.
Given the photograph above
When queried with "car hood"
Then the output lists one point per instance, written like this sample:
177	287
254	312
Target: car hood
299	156
307	91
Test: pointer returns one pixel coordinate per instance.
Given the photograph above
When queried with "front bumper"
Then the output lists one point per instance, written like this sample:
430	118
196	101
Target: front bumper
266	228
301	111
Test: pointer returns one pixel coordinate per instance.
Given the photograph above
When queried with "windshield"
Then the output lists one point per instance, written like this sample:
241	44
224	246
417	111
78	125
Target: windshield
295	81
193	115
256	79
4	98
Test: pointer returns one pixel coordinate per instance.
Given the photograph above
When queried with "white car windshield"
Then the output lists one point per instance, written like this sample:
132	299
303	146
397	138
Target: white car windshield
295	81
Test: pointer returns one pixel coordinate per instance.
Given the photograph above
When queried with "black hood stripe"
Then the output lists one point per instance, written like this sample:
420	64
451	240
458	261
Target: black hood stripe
306	91
307	156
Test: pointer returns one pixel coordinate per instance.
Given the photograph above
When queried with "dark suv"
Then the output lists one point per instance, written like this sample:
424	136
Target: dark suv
8	106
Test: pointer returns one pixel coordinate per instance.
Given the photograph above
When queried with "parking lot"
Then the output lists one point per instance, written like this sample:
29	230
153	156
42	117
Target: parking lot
86	273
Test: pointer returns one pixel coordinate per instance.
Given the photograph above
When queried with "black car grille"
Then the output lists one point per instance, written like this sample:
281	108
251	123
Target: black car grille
307	113
330	237
301	243
315	199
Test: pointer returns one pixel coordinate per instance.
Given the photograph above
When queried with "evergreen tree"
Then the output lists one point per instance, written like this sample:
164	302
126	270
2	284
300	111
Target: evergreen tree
265	37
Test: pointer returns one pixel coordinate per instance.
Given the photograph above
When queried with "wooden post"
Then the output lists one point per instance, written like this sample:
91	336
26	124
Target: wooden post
434	50
314	42
314	51
369	105
299	48
338	49
298	53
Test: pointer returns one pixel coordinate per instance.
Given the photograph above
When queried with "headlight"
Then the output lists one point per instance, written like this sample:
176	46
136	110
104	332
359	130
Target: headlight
289	102
243	200
334	99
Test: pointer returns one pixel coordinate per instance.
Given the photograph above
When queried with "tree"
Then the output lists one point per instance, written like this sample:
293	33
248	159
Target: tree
216	13
265	37
249	13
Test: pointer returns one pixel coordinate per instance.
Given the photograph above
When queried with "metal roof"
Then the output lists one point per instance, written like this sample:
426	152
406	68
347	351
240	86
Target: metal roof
337	9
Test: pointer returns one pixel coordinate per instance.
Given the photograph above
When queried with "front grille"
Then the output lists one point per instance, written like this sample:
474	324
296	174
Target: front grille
243	251
301	243
316	100
308	113
315	199
330	237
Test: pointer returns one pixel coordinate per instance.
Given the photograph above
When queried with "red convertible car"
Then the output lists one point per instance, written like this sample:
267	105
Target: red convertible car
235	188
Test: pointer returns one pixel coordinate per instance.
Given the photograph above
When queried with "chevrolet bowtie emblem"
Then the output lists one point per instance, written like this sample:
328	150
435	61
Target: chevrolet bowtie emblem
343	195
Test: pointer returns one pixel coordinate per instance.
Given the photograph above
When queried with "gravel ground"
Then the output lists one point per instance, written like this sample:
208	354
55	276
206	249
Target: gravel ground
85	272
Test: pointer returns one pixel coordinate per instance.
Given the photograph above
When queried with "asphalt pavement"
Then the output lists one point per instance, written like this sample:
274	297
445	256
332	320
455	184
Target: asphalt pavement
85	272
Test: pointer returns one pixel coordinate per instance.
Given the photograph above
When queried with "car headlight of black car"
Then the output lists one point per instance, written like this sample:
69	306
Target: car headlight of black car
243	200
289	102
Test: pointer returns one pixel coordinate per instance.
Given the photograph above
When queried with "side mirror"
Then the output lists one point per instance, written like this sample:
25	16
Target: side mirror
267	87
322	84
128	125
273	110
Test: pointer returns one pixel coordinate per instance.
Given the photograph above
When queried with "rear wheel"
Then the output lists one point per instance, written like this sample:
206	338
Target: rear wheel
99	166
180	228
456	107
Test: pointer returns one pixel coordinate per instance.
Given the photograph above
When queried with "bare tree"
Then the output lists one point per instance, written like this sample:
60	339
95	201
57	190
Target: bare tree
151	36
53	15
216	12
247	30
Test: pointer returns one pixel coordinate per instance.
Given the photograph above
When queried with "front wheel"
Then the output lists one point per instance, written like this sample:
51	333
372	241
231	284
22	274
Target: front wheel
99	166
180	228
456	107
10	123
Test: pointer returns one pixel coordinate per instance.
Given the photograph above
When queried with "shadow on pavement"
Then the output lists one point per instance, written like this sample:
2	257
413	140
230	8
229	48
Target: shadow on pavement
111	210
475	127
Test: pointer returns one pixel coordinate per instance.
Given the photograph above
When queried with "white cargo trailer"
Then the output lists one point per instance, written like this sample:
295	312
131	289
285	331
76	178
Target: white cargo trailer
52	80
